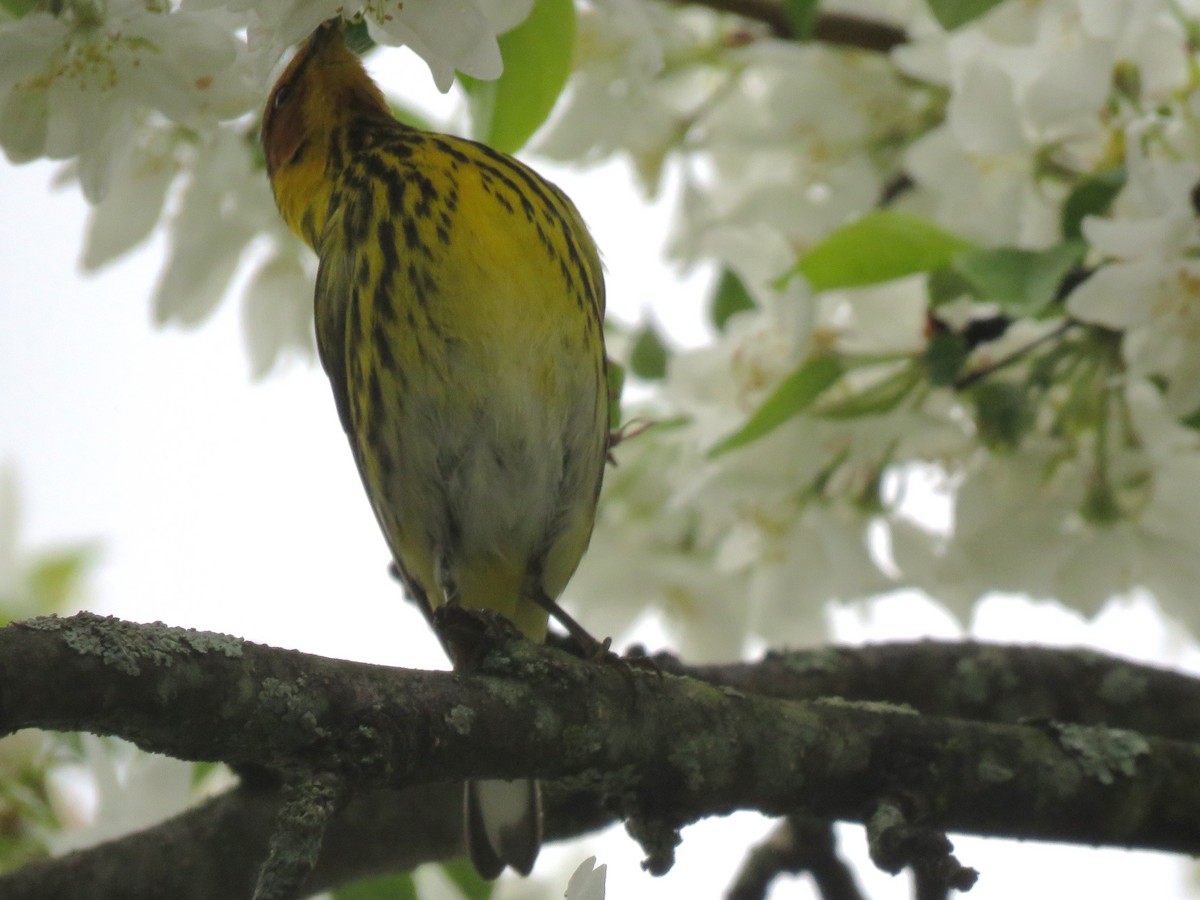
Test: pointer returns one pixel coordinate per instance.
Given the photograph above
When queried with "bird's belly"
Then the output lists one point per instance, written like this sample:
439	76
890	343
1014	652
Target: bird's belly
483	482
488	478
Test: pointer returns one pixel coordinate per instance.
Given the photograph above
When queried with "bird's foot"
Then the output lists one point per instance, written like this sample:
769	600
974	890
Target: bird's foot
470	634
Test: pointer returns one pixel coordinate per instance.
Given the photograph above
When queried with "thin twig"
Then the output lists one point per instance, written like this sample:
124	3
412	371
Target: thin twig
840	29
853	31
971	378
299	831
895	843
926	885
798	844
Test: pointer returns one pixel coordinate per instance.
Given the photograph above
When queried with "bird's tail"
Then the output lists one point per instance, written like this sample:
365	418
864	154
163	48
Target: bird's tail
503	824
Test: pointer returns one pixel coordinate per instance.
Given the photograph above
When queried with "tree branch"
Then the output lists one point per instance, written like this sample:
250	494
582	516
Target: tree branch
626	743
217	848
972	680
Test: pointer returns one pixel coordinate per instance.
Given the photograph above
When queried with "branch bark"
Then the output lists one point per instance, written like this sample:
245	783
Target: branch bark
972	680
611	740
217	848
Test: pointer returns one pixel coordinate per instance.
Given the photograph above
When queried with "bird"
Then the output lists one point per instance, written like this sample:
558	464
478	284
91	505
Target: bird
459	313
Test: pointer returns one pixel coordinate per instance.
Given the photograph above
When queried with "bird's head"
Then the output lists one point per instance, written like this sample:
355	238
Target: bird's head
323	89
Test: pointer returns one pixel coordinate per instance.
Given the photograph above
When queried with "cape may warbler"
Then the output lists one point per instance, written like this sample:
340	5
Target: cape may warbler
459	308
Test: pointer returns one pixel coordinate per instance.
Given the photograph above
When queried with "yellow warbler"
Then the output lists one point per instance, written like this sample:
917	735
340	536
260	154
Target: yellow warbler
459	316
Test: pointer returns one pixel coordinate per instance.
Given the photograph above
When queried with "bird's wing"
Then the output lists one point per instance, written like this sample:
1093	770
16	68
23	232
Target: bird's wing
334	284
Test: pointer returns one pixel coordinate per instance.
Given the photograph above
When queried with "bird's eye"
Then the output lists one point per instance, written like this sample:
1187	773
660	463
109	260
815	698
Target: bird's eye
282	94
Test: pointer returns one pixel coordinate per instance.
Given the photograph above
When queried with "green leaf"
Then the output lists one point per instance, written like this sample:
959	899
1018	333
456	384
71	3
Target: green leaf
945	286
648	359
802	15
945	355
729	298
880	397
1091	197
15	9
467	880
1002	413
400	886
1127	81
1100	506
537	61
1020	282
616	384
953	13
881	246
357	37
795	394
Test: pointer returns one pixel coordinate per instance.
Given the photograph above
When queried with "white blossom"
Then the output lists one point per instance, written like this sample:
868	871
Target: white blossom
800	162
117	790
647	552
1150	288
747	543
450	35
1022	522
80	84
131	209
277	316
622	94
224	204
587	882
1030	77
